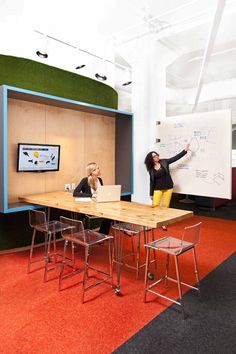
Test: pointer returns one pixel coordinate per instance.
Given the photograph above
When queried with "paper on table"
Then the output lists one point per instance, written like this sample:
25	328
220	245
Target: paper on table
85	199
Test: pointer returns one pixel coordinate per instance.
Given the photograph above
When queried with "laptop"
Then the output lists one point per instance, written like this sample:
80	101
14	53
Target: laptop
108	193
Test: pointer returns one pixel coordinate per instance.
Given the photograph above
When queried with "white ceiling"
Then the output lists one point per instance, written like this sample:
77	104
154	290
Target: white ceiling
92	29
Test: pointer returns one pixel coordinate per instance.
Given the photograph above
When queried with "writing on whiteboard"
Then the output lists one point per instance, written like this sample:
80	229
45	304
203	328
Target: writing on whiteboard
206	169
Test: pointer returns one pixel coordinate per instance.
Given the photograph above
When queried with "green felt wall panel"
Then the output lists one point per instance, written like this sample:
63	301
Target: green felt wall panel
31	75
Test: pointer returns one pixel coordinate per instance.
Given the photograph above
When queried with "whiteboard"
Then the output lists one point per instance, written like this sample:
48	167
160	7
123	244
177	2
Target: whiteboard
206	169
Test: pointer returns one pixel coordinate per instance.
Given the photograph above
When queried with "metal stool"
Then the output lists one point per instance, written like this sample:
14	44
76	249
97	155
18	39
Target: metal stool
87	239
38	221
175	247
37	218
131	230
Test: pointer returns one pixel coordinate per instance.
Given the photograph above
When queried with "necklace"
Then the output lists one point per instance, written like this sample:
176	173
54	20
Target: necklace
157	167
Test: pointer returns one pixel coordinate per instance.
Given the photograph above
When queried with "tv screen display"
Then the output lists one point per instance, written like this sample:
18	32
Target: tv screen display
38	157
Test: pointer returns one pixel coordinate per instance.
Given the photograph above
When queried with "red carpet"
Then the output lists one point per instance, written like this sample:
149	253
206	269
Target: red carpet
36	318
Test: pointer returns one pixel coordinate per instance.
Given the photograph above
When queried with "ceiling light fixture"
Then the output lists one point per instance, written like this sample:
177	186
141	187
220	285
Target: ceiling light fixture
127	83
127	79
80	66
41	54
102	69
100	77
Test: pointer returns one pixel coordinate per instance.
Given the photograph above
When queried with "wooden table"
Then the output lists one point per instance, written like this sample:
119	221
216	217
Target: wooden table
122	211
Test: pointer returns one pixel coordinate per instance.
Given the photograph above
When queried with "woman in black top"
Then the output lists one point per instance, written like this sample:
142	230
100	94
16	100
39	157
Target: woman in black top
161	184
88	187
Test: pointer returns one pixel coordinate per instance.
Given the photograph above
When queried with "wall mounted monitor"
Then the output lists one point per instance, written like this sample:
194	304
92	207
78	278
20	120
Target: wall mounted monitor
38	157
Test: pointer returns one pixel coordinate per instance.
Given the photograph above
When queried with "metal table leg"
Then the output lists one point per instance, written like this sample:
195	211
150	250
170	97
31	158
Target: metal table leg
118	246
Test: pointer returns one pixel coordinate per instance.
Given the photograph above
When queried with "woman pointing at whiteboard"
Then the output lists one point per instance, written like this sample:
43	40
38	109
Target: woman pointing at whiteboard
161	184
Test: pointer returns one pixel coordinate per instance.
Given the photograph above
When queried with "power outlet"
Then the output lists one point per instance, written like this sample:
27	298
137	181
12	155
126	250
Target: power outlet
67	187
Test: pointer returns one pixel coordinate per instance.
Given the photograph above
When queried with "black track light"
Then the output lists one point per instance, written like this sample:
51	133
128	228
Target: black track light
127	83
42	55
100	77
80	66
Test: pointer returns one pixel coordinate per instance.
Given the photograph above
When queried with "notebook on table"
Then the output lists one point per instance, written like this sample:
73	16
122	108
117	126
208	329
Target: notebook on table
108	193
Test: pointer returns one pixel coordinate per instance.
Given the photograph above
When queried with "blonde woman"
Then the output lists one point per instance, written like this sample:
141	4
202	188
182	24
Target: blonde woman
88	185
88	188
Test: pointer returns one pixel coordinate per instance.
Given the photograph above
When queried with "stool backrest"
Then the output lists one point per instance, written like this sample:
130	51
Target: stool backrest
37	217
78	227
192	233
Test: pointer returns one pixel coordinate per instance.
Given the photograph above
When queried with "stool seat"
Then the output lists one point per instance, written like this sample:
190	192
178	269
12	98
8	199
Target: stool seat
86	237
132	228
51	226
171	245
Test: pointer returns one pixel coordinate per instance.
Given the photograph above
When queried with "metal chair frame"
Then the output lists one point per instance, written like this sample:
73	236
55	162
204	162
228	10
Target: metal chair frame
38	221
41	220
79	236
175	247
131	230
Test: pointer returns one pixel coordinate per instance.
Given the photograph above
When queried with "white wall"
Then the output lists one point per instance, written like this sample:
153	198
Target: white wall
124	100
214	96
148	59
233	158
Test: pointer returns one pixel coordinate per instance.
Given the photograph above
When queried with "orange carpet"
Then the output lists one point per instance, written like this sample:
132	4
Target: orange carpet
36	318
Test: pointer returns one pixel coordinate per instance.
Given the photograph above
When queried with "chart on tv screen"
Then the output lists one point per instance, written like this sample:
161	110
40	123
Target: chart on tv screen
38	158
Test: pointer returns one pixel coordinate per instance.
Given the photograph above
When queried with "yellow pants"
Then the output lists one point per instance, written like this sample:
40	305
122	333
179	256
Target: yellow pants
162	197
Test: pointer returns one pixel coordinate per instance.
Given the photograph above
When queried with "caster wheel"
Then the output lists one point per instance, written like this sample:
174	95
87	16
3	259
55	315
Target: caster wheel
117	292
150	276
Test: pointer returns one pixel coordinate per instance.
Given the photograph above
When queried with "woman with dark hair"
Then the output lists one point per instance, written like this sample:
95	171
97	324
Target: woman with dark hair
161	184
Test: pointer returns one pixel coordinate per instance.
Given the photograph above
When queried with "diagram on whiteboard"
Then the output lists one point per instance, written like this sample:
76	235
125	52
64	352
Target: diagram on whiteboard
206	169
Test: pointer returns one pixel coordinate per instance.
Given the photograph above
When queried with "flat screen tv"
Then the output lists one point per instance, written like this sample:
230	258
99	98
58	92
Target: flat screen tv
38	157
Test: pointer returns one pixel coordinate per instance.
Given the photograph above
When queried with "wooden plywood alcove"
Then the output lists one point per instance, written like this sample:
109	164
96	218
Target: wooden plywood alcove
85	132
84	137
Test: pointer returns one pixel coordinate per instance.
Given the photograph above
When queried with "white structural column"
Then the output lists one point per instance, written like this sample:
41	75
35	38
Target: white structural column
209	47
142	128
148	59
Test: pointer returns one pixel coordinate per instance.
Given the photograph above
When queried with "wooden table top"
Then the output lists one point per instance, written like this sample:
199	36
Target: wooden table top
130	212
